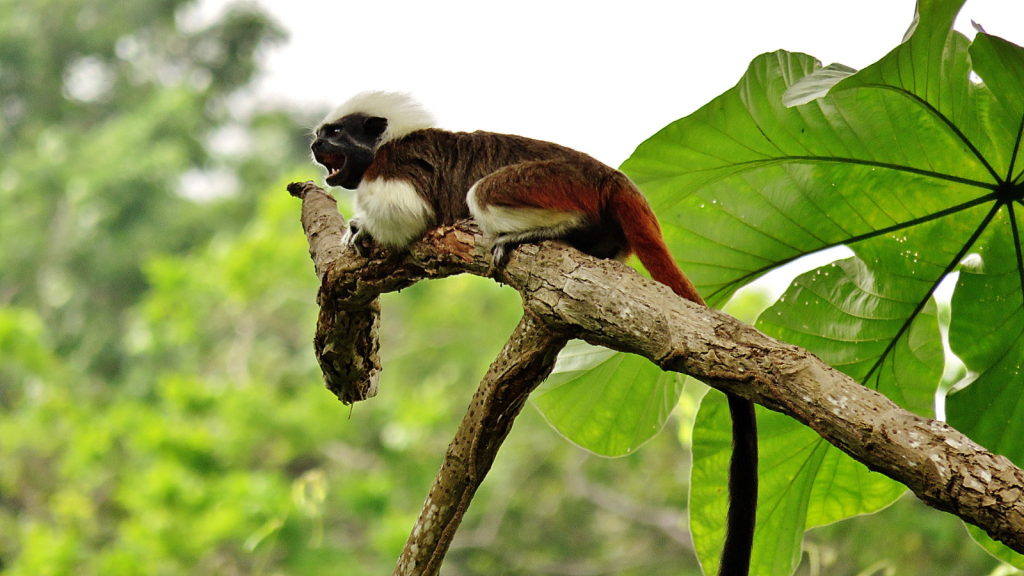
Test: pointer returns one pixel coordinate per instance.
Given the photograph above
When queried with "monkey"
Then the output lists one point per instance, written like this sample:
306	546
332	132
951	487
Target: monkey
410	176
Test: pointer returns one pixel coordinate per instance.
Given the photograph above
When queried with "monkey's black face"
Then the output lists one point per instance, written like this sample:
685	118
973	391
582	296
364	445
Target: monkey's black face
346	147
338	164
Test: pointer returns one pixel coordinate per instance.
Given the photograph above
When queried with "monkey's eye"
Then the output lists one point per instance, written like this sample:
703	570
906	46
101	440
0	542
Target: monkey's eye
329	131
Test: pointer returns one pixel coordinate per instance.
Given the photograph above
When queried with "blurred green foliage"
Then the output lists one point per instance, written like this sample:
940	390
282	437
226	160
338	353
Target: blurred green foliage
108	108
161	411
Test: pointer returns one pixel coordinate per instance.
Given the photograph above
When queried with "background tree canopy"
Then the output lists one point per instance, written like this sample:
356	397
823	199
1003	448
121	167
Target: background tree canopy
161	411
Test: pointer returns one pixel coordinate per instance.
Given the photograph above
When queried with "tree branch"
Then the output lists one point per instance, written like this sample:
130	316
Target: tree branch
346	341
605	302
524	362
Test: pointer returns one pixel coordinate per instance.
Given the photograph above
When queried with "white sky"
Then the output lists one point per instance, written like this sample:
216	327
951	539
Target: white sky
599	76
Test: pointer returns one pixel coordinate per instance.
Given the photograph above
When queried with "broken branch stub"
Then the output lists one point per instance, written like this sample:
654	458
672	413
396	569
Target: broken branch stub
346	341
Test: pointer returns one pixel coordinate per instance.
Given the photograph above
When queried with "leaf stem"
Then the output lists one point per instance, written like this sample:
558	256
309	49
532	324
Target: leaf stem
854	239
920	305
754	164
1016	246
1016	148
949	123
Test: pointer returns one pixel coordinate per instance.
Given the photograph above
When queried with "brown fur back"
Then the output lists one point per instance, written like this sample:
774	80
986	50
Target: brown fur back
443	165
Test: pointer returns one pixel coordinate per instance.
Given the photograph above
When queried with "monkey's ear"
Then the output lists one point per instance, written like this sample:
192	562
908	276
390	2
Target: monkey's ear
375	126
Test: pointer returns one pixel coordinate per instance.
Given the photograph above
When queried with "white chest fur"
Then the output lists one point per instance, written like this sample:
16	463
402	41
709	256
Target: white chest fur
392	212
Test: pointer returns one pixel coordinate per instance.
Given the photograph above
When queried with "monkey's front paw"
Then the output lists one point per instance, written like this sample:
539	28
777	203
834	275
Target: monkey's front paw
363	243
358	238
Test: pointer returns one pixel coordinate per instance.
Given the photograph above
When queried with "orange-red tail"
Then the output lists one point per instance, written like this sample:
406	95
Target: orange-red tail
643	233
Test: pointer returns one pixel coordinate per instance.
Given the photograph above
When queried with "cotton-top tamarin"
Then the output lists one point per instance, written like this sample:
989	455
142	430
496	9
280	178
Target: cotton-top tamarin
409	177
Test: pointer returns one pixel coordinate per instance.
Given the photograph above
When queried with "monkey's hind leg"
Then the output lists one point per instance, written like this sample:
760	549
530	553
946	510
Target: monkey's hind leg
530	202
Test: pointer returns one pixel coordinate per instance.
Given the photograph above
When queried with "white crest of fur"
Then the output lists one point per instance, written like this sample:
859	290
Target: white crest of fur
403	112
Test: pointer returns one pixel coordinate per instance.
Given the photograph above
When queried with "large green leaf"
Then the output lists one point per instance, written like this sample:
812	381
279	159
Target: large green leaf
853	315
987	326
986	333
746	184
804	482
607	402
854	318
909	162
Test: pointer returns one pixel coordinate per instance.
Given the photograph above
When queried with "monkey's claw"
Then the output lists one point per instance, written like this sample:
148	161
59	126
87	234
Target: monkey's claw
358	238
501	250
353	225
363	243
499	256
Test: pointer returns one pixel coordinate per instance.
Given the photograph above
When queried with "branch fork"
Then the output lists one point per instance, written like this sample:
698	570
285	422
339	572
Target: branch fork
566	295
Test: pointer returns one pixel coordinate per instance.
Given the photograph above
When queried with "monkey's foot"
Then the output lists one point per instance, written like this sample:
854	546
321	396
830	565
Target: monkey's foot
501	250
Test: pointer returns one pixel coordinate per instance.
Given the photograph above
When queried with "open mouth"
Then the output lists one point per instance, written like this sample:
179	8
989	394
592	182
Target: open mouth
334	163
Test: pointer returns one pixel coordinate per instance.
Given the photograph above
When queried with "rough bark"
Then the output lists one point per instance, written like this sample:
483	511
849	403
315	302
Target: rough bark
346	342
605	302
